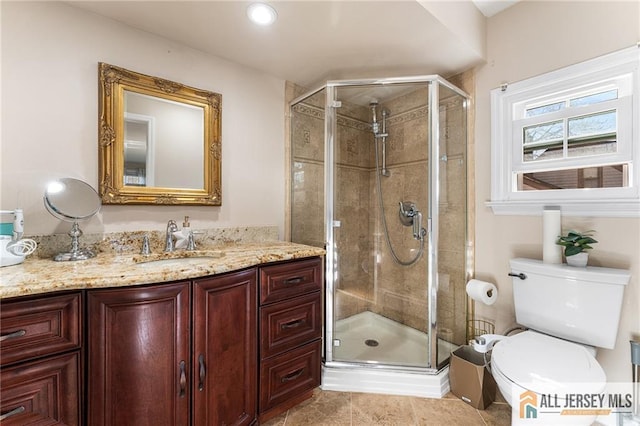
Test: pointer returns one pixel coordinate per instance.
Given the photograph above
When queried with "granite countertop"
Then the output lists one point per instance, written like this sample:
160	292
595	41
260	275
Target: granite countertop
38	276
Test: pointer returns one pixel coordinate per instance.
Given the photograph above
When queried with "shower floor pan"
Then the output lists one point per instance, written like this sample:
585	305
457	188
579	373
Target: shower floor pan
371	338
358	367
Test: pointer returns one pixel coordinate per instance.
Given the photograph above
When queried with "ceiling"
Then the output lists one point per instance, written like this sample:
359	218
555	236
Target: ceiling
313	41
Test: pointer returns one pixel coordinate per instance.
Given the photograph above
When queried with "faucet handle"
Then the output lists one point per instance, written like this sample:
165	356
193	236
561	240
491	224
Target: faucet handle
191	243
145	246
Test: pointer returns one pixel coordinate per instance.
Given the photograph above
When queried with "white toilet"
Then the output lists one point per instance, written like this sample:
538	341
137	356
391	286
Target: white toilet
569	312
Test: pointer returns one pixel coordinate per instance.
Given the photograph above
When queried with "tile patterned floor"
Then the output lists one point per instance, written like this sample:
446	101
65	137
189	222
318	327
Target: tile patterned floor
363	409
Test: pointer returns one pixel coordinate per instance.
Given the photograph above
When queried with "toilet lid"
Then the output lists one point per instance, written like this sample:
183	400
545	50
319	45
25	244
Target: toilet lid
547	365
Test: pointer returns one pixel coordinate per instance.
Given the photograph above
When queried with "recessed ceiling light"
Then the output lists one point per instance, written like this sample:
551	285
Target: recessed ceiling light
262	14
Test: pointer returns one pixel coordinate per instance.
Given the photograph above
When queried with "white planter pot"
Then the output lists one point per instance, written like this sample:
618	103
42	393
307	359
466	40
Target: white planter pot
579	259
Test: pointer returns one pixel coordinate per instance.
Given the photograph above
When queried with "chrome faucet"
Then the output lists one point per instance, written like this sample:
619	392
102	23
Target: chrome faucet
168	242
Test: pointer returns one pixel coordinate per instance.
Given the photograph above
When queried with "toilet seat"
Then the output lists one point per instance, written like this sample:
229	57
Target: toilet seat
547	365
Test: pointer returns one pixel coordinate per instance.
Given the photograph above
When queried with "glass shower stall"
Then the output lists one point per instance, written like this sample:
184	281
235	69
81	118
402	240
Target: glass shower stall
379	179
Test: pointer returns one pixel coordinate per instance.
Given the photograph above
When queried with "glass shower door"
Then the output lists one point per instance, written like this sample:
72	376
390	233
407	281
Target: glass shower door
379	154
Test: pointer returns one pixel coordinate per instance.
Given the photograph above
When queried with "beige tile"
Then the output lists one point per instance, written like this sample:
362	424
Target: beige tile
277	421
324	408
445	411
497	414
373	409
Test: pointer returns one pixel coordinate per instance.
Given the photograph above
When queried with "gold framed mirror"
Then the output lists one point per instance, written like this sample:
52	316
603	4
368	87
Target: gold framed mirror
159	141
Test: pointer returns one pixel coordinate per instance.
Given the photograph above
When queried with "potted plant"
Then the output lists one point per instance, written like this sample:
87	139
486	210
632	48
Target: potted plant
575	246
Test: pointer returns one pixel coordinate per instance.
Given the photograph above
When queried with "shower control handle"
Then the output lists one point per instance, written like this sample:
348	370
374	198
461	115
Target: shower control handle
411	216
417	225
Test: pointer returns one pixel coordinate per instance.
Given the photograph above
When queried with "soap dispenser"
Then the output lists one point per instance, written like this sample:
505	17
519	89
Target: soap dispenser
186	227
182	236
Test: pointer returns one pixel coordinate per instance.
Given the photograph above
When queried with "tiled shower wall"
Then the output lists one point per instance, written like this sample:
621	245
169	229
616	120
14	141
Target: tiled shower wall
368	278
307	154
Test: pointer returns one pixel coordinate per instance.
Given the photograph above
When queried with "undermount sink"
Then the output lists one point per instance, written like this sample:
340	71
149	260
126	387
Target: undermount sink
177	261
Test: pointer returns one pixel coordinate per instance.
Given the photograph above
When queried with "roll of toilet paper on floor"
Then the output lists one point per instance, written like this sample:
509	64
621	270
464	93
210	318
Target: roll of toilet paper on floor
482	291
551	224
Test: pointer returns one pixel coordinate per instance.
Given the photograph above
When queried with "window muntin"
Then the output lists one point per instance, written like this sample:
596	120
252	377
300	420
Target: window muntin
545	109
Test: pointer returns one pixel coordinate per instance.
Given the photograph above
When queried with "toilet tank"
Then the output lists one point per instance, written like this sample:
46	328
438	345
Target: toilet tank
578	304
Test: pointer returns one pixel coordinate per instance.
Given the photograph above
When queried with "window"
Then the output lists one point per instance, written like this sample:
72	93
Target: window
569	138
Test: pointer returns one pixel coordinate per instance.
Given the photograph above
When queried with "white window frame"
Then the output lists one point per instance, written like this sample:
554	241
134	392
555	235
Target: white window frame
616	70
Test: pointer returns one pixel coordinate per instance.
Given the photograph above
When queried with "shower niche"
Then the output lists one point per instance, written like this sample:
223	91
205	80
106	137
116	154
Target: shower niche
378	178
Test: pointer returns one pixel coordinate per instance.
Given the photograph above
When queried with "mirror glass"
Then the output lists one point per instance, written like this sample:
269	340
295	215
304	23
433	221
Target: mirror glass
159	141
72	200
163	143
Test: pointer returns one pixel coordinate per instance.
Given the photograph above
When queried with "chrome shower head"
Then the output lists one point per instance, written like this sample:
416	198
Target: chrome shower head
374	120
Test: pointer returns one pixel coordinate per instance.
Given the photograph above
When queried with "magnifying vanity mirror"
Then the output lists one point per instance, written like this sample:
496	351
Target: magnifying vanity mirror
159	141
72	200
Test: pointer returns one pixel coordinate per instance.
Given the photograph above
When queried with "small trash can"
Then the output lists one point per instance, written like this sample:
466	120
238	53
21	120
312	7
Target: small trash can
469	379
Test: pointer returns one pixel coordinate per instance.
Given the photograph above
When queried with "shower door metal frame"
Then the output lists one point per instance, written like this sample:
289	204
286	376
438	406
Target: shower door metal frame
433	82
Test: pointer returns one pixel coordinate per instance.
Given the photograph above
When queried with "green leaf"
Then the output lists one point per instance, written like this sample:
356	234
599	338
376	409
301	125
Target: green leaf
571	250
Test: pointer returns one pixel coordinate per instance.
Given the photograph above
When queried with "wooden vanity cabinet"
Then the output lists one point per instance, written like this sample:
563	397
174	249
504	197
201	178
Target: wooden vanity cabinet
139	367
225	350
290	334
40	371
174	354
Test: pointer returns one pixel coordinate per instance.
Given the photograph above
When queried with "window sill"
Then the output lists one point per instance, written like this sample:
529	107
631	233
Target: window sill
613	208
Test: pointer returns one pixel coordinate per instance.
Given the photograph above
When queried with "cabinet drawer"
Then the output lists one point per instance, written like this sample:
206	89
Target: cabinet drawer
291	279
287	375
36	327
42	392
285	325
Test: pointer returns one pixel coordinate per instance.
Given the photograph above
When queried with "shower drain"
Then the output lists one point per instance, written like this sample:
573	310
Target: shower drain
371	342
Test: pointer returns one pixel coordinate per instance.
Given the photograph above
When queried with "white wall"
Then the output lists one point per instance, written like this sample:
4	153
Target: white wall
526	40
50	55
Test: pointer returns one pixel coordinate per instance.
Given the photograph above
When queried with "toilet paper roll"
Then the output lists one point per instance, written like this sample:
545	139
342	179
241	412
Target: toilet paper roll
551	252
482	291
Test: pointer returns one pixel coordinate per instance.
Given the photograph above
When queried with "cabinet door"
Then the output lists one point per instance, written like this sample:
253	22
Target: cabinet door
138	364
225	349
44	392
